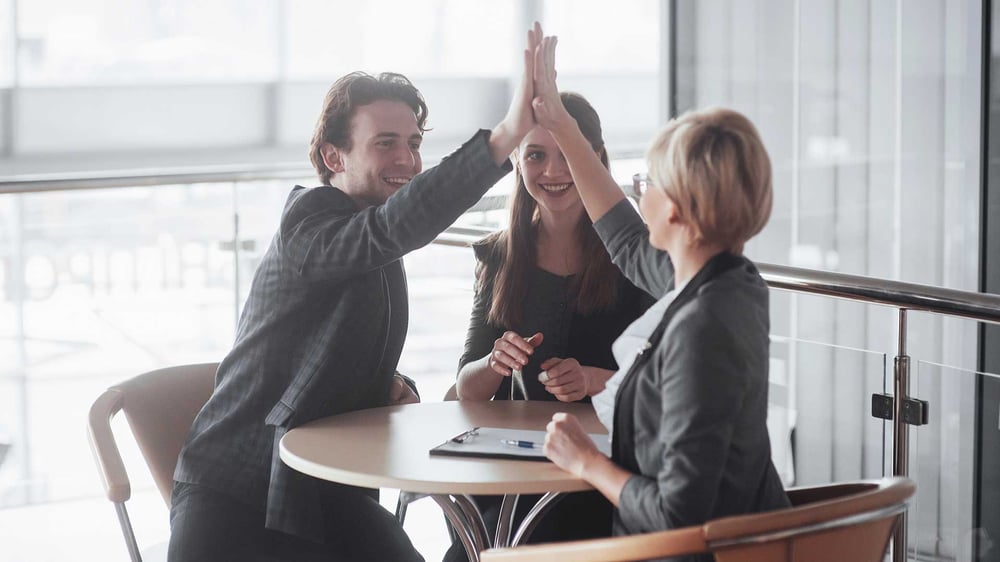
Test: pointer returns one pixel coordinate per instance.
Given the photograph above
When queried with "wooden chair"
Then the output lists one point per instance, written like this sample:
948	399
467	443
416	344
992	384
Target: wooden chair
849	521
160	407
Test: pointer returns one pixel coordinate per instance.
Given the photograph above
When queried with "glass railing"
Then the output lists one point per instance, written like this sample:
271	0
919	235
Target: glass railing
101	284
819	414
941	522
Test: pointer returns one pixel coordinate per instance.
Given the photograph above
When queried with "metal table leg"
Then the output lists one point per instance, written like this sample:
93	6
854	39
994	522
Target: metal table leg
464	528
544	504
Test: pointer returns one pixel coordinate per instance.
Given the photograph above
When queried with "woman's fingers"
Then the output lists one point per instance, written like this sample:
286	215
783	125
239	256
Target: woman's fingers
502	363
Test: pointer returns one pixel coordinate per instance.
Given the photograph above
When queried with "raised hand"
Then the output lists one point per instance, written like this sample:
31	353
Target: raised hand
520	114
520	118
548	107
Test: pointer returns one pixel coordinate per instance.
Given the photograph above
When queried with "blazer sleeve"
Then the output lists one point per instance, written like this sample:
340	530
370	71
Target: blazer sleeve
330	242
701	394
627	240
481	334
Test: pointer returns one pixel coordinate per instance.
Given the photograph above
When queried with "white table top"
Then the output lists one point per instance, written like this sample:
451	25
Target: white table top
388	448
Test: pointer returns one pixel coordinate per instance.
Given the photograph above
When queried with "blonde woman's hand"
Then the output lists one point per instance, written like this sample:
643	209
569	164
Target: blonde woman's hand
568	445
511	351
548	107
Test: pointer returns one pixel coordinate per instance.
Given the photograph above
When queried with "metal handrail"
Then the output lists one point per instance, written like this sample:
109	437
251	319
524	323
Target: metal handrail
145	177
898	294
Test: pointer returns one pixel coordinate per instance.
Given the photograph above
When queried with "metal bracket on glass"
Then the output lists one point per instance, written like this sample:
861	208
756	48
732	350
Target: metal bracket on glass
915	411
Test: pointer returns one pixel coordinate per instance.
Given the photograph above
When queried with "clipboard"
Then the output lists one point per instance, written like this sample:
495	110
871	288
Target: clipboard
487	443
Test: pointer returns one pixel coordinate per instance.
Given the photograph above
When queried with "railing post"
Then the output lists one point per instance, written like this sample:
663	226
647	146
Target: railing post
900	431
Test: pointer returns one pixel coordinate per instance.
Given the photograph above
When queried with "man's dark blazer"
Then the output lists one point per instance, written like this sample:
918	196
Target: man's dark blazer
321	331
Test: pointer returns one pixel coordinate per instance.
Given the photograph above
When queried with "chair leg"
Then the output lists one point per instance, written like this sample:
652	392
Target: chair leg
405	498
126	524
401	509
404	501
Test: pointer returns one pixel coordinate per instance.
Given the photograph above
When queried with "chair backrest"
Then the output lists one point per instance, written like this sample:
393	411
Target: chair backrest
160	407
850	521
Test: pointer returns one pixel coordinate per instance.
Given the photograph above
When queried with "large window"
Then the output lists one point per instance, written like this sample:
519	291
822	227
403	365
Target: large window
611	54
63	42
326	39
871	112
6	45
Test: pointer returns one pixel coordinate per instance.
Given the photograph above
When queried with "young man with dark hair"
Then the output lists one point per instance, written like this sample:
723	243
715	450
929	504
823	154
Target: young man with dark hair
323	328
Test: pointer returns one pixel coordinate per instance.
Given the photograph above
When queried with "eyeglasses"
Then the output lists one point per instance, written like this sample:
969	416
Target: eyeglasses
640	183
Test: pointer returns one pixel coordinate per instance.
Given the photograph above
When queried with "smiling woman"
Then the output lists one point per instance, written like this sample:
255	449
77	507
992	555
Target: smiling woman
548	304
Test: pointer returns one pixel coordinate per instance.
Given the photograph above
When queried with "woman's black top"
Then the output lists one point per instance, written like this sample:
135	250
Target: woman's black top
549	307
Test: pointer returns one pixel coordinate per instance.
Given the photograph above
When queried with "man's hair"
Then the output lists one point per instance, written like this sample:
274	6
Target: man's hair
345	96
713	165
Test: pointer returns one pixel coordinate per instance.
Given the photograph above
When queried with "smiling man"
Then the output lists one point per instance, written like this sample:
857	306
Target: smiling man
323	328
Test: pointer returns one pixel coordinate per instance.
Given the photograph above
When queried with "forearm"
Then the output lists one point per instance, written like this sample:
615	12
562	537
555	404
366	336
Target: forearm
594	183
477	381
504	138
606	476
597	378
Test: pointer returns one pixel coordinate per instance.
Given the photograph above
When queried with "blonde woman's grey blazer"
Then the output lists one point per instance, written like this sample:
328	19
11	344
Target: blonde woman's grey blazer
690	416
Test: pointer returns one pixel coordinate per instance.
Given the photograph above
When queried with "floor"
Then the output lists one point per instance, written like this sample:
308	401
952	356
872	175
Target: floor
85	530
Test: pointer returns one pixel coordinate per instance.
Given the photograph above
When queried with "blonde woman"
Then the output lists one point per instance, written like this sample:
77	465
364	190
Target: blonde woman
687	409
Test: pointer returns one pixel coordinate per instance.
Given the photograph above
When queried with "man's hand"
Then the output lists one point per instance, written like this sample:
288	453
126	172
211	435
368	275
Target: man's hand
401	393
519	119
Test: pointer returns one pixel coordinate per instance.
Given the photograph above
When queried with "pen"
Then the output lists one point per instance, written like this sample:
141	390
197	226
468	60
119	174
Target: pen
522	444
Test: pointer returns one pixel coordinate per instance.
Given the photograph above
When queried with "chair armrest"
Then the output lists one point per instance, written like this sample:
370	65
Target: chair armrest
102	444
676	542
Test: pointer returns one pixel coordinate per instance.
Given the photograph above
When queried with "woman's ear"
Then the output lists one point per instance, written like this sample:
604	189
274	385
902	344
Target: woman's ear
332	157
673	212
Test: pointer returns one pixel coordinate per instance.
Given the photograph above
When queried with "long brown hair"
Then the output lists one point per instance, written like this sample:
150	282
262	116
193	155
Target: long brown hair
511	253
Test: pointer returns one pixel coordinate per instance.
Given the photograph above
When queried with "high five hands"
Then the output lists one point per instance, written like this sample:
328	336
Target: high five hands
536	100
547	107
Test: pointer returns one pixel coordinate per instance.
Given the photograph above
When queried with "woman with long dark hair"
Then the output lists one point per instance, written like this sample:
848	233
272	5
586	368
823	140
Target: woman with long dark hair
548	305
548	299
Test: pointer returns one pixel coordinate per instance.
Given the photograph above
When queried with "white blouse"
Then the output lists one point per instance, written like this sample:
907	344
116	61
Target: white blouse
625	349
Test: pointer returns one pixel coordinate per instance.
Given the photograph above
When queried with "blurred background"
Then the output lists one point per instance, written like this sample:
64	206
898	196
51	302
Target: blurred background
147	147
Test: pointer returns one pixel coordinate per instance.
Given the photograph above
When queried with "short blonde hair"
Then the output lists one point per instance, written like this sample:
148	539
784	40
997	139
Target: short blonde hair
713	165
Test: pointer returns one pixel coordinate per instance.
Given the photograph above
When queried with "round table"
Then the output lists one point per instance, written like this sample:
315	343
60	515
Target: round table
389	448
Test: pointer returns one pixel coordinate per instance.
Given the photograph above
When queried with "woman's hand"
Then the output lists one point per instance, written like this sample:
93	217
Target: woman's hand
565	379
568	445
511	351
548	107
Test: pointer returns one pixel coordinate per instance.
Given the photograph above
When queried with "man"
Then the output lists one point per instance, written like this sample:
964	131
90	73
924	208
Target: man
323	328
